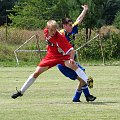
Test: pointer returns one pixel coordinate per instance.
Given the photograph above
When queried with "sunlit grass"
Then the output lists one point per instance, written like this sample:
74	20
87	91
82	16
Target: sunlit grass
50	97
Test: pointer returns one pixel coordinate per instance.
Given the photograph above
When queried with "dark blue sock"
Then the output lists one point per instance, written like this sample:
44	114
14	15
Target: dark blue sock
85	90
77	95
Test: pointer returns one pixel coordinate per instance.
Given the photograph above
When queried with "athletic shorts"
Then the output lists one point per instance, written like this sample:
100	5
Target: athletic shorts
52	61
69	72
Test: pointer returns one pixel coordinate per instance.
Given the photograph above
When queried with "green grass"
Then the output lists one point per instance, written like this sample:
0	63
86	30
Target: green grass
50	97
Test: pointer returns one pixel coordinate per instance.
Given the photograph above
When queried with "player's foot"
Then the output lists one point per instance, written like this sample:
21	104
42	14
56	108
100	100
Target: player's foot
90	98
18	94
76	100
90	82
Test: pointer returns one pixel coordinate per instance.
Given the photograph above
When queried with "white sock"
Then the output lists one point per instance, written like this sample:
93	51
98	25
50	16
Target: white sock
81	74
27	84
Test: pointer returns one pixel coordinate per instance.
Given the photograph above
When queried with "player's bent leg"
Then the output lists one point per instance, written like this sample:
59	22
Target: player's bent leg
31	79
71	64
67	72
90	79
72	74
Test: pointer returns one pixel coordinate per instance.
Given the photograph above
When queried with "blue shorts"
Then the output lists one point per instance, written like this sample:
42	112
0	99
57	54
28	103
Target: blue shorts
69	72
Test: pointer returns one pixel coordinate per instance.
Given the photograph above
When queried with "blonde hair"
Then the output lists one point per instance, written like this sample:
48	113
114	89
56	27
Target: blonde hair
52	24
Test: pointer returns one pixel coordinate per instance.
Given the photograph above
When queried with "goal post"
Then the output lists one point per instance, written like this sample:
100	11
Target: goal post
23	50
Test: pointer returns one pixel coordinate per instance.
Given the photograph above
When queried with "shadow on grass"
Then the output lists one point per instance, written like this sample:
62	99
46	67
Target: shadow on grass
94	103
101	103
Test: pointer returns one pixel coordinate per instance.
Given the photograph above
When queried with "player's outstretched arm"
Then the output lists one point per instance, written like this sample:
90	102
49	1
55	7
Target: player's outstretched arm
83	13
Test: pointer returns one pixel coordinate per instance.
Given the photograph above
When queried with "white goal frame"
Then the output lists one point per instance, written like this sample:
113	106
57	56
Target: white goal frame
18	49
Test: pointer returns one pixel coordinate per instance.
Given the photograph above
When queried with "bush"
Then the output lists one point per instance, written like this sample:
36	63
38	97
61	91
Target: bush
112	47
92	51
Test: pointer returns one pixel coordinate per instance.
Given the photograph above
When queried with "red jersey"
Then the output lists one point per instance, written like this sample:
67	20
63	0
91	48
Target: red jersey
57	49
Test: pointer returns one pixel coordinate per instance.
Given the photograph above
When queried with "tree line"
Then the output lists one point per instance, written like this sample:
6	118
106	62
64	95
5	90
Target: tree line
33	14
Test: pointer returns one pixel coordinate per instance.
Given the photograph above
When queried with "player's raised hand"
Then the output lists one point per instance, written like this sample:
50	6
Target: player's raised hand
85	7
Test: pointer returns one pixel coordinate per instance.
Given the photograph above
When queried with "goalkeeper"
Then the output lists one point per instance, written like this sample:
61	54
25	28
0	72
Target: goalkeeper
69	30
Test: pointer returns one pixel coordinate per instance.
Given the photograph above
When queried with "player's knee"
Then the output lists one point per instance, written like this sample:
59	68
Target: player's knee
73	66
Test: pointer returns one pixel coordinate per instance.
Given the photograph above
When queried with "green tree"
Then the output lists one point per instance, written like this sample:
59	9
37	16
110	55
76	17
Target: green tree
4	6
117	20
34	14
101	12
112	8
28	14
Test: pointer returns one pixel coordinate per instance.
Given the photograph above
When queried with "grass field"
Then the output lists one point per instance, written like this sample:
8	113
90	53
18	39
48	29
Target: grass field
50	97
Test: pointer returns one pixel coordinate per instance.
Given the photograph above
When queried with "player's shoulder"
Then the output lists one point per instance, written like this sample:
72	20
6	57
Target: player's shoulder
62	31
59	34
75	23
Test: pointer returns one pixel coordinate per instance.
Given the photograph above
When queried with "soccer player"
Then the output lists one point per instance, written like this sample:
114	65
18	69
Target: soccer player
69	30
59	51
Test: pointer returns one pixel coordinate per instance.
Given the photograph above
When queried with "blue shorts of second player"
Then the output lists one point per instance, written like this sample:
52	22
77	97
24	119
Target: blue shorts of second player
69	72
